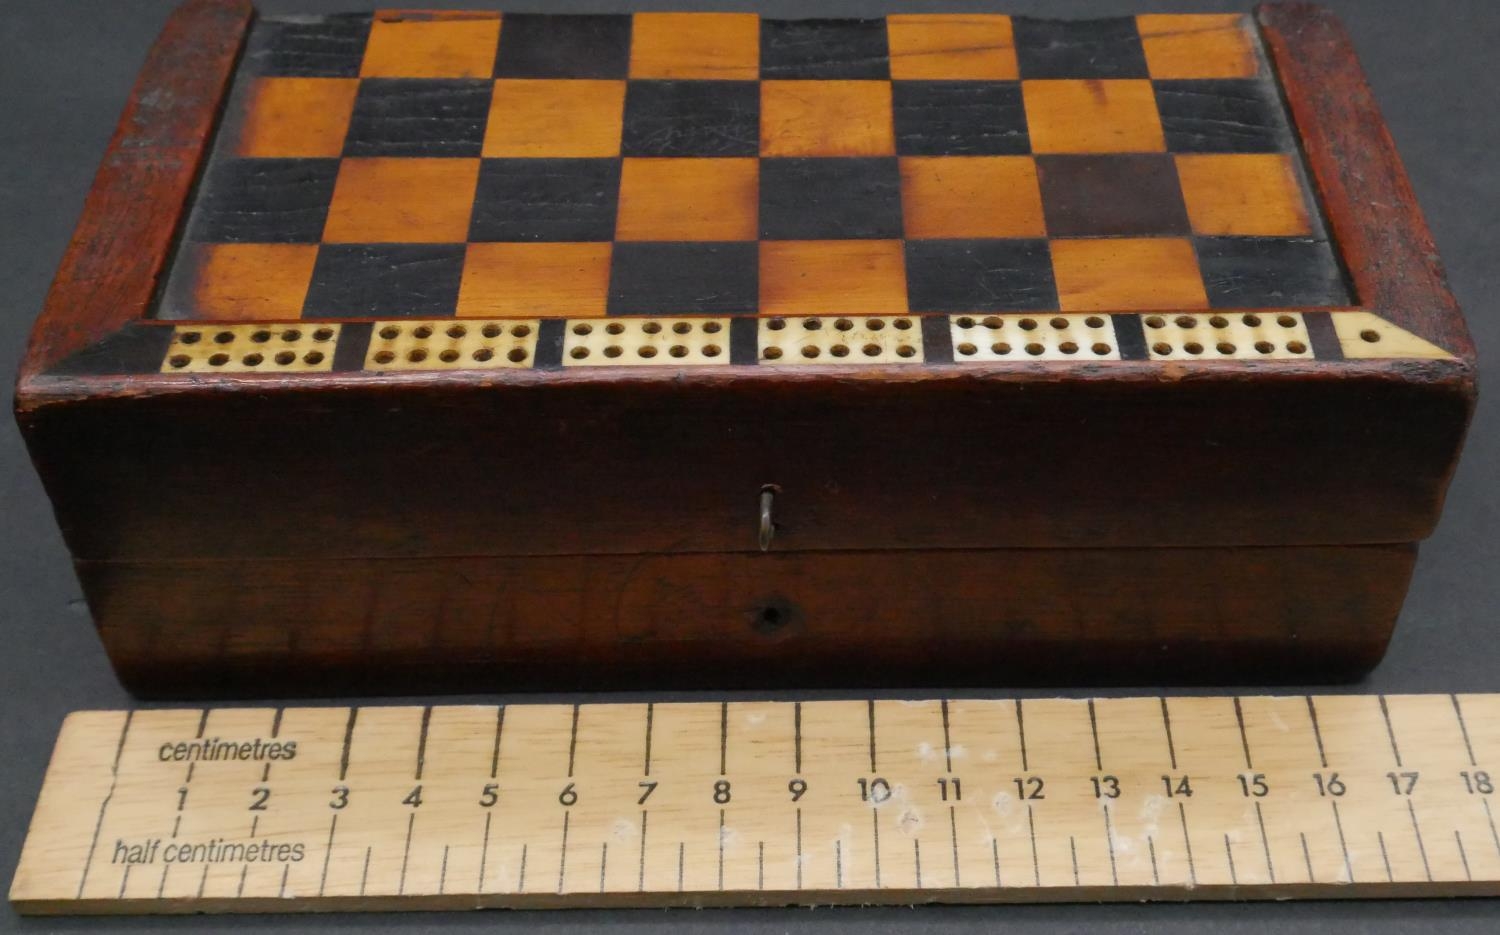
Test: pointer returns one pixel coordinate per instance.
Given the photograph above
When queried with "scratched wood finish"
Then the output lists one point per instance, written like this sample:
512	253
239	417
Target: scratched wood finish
717	621
766	803
331	465
120	248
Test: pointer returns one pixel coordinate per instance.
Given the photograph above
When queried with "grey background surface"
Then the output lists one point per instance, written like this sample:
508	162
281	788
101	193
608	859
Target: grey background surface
65	70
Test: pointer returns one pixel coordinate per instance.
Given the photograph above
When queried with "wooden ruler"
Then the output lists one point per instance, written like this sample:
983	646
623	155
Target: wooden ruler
752	803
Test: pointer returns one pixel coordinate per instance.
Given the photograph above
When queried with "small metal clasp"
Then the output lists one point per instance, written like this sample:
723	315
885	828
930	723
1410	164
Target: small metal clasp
767	523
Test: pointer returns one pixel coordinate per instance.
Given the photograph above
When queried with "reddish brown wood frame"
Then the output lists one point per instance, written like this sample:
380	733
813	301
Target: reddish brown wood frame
145	520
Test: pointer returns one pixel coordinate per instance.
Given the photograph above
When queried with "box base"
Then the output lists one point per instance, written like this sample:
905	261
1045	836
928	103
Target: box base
749	620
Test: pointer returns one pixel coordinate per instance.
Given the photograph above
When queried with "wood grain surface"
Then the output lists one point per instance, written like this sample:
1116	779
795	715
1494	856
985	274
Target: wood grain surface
759	803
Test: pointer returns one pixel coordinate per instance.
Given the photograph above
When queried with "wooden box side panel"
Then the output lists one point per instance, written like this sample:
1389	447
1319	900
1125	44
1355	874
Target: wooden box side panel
653	468
910	618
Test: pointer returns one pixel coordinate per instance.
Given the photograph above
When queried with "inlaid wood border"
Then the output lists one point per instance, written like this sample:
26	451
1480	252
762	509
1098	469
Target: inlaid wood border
124	238
94	338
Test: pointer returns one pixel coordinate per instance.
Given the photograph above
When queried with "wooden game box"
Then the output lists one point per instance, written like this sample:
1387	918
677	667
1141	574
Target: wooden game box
478	350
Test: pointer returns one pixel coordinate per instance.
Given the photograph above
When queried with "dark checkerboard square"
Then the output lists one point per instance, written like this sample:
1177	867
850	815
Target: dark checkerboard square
824	48
1114	195
684	279
418	117
385	281
565	200
1271	272
830	199
979	275
560	200
1096	48
960	118
692	118
264	201
556	46
1222	116
329	47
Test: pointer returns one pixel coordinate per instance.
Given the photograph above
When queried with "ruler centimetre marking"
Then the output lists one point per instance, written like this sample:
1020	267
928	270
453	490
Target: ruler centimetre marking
764	803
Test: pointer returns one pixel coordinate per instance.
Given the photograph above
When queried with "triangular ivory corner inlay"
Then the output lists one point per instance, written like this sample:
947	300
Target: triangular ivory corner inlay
1366	336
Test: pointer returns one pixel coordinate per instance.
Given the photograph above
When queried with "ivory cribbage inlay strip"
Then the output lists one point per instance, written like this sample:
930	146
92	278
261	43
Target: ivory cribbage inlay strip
1267	335
255	348
646	342
1033	337
452	345
840	339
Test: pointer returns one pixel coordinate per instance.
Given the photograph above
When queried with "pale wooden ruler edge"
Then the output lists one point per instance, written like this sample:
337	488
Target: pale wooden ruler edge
1347	719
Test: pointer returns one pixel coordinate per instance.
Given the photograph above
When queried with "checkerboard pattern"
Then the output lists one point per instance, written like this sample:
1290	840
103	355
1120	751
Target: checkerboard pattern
478	165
